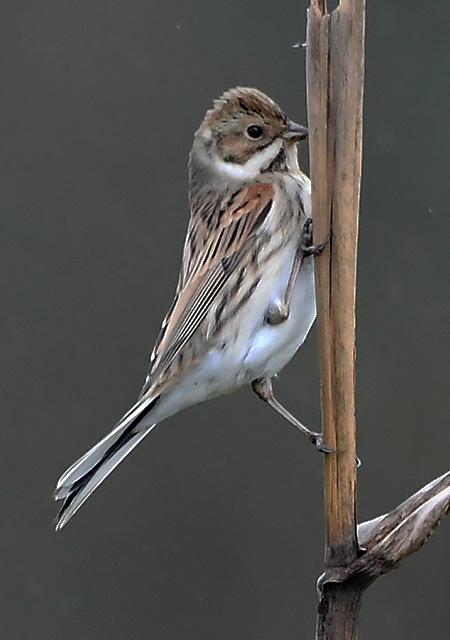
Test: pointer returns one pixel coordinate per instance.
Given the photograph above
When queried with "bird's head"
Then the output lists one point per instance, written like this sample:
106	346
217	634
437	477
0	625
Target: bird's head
246	133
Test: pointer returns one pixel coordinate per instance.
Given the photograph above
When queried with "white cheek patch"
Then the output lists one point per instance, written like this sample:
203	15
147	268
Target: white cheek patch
252	168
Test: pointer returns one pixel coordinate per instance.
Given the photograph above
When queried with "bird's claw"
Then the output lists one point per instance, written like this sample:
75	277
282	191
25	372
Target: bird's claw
317	441
307	247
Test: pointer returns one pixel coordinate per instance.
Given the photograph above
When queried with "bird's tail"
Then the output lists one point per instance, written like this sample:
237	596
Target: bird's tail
81	479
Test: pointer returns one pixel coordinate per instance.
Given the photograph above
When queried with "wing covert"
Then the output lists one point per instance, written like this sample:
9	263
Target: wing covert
216	243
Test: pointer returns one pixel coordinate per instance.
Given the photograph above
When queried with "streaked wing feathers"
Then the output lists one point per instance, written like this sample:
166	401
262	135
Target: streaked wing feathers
215	245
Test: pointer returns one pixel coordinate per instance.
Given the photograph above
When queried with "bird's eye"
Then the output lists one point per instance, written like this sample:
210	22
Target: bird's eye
255	132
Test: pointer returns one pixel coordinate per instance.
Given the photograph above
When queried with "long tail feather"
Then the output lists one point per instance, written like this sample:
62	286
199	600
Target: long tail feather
86	474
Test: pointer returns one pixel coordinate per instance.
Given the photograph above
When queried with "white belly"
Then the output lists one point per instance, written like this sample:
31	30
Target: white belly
273	346
258	349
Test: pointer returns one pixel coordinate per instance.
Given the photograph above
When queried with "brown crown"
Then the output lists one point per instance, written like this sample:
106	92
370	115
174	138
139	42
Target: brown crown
247	100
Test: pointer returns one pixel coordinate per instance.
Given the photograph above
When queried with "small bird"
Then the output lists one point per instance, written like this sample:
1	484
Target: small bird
245	299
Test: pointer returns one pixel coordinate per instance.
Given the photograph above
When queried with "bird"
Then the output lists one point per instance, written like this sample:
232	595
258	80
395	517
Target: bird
245	299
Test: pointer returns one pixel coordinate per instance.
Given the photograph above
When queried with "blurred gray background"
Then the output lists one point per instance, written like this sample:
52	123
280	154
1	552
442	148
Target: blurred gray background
213	528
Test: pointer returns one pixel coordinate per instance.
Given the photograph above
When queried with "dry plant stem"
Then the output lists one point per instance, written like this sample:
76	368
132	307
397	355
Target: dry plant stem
335	79
337	614
389	539
335	71
345	112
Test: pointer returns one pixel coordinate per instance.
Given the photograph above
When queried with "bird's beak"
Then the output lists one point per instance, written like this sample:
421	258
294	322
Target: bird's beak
295	132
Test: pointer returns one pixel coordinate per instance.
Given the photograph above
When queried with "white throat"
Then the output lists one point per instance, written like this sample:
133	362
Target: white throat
252	168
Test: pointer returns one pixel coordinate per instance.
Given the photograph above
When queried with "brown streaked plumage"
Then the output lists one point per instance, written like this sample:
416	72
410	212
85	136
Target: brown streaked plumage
245	296
206	277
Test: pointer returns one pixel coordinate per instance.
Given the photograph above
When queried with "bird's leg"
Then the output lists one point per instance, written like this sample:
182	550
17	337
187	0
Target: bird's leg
278	313
263	389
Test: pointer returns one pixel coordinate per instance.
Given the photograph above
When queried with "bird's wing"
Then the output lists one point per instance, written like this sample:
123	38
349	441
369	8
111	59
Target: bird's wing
218	238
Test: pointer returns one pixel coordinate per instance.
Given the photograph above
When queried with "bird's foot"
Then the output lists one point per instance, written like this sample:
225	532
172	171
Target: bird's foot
317	440
306	246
